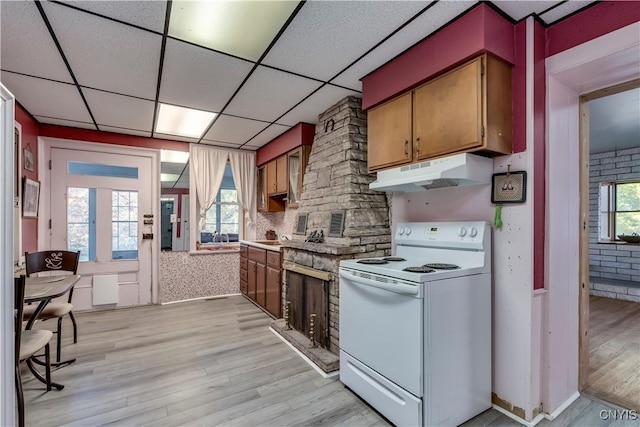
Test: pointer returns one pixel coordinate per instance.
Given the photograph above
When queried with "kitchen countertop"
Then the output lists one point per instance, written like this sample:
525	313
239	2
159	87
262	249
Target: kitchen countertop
270	245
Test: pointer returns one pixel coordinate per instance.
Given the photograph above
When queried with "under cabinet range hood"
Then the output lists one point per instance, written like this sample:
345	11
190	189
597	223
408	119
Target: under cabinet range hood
452	171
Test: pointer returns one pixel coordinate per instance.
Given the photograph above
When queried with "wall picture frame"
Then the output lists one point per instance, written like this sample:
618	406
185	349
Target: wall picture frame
31	197
28	160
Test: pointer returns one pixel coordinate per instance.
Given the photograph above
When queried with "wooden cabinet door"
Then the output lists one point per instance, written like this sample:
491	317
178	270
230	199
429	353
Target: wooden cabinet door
281	175
273	294
448	113
389	133
261	280
251	279
272	177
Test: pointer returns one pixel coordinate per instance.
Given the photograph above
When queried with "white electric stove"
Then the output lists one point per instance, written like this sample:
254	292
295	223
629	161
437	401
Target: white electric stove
415	328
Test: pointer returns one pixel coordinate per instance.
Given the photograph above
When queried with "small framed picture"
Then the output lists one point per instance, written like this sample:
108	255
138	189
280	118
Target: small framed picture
28	160
510	187
31	197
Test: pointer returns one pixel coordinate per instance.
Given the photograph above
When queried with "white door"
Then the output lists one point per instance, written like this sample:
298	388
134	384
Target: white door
98	205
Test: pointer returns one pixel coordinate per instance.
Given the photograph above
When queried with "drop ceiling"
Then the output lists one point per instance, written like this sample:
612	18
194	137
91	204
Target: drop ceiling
106	65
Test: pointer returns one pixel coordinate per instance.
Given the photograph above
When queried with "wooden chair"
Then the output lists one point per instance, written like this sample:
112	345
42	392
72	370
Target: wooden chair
54	260
27	344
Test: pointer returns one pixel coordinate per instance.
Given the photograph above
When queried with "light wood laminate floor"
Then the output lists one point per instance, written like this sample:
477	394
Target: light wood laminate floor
614	347
206	363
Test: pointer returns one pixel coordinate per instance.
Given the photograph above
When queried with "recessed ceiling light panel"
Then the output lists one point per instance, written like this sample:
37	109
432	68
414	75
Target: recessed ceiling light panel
182	121
240	28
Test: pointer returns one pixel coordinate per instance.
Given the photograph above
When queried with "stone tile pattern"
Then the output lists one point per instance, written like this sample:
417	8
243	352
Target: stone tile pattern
280	222
184	276
611	261
335	179
628	291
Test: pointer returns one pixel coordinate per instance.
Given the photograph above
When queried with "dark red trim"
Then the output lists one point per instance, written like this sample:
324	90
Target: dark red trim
539	155
30	141
593	22
110	138
300	134
519	89
480	30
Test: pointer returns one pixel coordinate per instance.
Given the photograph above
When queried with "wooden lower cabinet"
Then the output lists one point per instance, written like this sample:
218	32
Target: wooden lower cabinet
263	283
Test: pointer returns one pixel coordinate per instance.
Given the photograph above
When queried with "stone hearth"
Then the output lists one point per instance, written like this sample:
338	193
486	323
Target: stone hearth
336	182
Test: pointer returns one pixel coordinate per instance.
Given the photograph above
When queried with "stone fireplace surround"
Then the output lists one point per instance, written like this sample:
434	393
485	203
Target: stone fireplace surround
336	179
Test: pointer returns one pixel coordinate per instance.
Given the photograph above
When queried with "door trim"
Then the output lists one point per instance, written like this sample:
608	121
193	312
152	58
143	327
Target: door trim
583	305
45	144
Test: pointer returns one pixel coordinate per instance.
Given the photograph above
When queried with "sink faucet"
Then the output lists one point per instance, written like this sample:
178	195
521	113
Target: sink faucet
219	237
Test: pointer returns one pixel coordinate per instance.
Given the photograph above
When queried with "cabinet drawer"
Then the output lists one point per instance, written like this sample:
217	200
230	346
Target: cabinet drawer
273	259
243	263
244	275
259	255
243	250
244	287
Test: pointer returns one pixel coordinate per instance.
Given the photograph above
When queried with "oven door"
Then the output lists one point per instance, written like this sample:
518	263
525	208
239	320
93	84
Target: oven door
381	325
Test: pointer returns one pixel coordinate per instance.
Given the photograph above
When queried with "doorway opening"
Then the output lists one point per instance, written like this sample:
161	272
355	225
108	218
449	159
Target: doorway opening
610	248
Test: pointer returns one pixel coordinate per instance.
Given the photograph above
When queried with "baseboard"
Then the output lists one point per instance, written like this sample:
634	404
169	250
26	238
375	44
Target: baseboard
517	419
561	408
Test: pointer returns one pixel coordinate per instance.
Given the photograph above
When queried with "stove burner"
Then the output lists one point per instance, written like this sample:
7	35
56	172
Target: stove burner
393	258
439	266
372	261
421	269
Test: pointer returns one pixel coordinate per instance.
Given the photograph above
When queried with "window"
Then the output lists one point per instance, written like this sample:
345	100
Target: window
224	215
619	204
124	223
81	222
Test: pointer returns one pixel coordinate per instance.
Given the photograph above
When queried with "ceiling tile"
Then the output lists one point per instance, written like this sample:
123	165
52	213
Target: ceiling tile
116	129
68	123
198	77
174	137
316	104
269	93
612	127
121	111
522	8
107	55
62	100
326	36
145	14
434	18
234	129
219	144
25	43
267	135
563	10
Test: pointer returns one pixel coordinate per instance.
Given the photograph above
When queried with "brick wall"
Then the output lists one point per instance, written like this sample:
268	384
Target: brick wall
611	261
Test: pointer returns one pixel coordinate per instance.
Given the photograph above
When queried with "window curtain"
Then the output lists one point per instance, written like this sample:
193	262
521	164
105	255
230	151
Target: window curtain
208	166
243	167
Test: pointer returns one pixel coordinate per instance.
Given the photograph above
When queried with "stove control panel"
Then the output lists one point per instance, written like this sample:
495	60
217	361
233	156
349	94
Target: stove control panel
469	232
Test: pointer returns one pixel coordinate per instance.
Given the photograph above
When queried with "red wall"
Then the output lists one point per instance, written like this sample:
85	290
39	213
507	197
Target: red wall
480	30
300	134
30	141
591	23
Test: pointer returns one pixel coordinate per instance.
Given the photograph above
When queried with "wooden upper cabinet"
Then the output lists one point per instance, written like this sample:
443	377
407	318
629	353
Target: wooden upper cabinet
467	109
448	113
389	133
277	176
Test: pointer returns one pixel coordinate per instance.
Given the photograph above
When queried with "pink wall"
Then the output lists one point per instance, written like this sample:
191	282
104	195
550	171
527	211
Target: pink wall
300	134
30	141
480	30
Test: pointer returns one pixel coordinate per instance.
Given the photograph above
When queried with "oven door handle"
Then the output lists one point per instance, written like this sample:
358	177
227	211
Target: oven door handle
398	288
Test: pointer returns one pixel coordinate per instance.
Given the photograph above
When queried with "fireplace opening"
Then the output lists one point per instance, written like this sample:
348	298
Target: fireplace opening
307	305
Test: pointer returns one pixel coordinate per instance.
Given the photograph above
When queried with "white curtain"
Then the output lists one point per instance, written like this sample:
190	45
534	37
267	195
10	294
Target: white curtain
208	166
243	167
